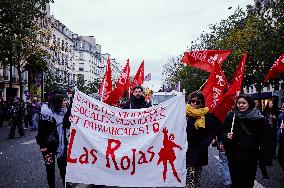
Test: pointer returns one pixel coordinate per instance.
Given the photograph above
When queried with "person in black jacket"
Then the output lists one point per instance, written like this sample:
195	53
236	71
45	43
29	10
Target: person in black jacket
246	142
16	115
51	137
202	128
280	138
271	113
137	100
2	111
28	114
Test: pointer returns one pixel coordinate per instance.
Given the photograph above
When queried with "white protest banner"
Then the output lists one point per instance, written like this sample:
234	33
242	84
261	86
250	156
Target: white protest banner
128	148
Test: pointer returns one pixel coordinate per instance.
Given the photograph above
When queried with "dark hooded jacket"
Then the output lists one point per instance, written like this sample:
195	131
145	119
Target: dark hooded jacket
136	103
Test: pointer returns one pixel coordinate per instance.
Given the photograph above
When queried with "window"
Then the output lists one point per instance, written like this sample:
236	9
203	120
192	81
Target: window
247	89
5	73
81	55
54	39
81	66
62	45
80	77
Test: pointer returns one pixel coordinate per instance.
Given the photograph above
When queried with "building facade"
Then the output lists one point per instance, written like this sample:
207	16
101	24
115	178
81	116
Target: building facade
71	57
62	62
267	93
116	70
88	64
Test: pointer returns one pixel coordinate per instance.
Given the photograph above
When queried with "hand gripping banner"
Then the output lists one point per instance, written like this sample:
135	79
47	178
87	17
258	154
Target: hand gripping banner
128	148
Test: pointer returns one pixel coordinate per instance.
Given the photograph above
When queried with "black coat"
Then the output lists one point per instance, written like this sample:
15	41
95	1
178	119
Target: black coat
45	128
250	144
271	111
200	139
135	103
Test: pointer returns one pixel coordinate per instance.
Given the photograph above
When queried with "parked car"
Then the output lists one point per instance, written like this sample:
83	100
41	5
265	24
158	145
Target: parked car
159	97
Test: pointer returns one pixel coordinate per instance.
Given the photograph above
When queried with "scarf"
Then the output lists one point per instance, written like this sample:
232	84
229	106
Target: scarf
60	130
198	114
252	114
48	114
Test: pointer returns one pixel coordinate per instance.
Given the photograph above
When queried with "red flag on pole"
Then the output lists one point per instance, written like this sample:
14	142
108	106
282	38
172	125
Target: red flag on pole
228	100
121	86
276	69
214	87
106	85
139	76
205	59
127	83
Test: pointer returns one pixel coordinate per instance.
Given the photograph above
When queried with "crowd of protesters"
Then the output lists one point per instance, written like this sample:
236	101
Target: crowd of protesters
14	111
248	137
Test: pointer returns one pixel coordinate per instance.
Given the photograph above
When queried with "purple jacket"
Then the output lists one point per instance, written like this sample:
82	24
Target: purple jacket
36	107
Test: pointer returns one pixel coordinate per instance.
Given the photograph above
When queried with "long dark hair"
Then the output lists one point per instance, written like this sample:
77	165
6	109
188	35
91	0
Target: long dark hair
55	102
137	87
248	98
267	110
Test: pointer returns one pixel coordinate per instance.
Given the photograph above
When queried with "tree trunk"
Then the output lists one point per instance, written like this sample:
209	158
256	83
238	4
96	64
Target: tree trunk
9	90
20	79
10	60
11	75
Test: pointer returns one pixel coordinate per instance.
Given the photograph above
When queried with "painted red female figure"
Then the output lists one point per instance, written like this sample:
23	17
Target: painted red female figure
167	154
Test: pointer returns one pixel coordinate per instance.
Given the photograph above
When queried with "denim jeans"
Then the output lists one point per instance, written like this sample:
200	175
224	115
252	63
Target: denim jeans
225	168
35	120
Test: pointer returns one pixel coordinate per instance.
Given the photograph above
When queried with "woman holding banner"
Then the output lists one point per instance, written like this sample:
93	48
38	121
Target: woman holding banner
246	142
202	128
52	137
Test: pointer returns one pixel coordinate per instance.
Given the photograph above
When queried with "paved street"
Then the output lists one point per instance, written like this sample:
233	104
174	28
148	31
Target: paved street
21	165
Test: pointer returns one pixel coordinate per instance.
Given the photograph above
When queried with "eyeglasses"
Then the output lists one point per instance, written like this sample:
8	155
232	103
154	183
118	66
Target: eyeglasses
198	102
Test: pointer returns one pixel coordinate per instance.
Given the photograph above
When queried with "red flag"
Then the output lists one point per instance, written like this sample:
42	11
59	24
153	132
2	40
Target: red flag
214	88
127	83
228	100
205	59
139	76
121	86
276	69
106	85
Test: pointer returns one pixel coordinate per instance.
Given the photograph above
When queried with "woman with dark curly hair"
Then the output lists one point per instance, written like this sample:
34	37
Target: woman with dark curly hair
271	112
202	128
246	142
52	137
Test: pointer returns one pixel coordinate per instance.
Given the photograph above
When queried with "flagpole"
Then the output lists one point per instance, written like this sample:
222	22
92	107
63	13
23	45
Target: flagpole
233	123
202	85
281	129
103	88
104	81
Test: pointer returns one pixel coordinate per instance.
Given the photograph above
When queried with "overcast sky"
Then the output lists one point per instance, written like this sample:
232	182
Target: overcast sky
153	30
